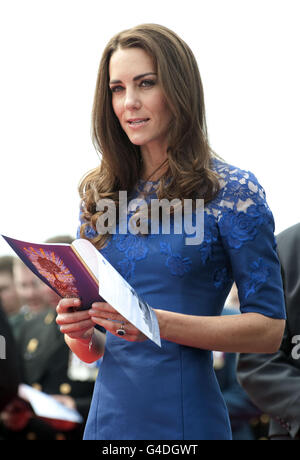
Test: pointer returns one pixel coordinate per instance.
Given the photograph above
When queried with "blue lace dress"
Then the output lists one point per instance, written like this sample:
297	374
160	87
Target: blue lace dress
171	393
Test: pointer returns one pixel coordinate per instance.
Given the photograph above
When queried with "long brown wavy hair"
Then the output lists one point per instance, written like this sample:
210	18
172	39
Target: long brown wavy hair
189	173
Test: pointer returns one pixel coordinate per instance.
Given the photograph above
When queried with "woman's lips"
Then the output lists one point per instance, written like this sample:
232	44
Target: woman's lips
137	122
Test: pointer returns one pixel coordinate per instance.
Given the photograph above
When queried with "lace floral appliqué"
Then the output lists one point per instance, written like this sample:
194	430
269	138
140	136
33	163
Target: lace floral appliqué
210	236
134	248
240	227
259	273
177	264
221	278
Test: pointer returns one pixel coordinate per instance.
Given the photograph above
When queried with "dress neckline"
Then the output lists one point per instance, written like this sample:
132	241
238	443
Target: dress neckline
151	182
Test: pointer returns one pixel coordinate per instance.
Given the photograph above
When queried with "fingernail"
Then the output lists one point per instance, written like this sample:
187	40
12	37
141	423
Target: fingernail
95	304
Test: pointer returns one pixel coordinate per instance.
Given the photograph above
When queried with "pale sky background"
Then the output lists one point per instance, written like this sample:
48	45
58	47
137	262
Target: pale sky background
248	55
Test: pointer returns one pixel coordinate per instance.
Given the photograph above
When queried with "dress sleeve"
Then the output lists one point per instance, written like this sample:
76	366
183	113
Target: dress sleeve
246	227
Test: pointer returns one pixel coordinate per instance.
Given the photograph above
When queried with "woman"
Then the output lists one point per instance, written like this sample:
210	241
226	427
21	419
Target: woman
149	123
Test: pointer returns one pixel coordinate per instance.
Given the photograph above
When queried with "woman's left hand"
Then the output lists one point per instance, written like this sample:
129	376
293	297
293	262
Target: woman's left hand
105	315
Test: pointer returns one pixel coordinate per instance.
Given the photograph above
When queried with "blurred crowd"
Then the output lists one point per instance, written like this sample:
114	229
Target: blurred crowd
261	391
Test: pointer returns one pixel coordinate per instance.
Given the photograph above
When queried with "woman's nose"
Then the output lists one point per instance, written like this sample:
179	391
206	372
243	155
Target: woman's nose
132	101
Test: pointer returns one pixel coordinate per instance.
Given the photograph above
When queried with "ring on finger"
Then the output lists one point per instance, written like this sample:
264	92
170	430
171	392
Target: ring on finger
121	330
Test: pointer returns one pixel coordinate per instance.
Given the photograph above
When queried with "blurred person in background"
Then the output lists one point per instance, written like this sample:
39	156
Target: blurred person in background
25	291
273	381
8	293
9	365
242	412
29	288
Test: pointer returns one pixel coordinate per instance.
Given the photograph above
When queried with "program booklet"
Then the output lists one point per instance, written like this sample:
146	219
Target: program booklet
44	405
80	270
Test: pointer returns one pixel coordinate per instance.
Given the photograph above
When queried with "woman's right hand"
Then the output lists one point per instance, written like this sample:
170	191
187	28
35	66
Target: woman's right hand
76	324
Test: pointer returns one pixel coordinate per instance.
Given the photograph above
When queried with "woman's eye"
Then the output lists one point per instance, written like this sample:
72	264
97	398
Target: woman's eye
143	84
147	83
116	89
